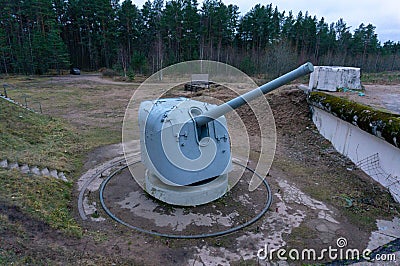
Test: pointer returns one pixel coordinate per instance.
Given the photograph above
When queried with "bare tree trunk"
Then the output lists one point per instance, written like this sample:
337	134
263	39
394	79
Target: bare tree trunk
124	60
376	62
394	60
202	49
344	57
82	49
219	49
5	63
31	51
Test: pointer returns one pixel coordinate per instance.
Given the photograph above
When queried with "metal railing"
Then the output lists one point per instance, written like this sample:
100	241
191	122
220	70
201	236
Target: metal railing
24	99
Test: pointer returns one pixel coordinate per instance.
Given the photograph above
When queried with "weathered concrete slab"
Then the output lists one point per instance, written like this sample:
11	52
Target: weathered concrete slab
62	176
24	169
4	164
35	170
53	173
329	78
45	172
13	166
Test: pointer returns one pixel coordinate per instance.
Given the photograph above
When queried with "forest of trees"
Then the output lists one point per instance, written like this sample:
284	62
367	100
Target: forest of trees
39	35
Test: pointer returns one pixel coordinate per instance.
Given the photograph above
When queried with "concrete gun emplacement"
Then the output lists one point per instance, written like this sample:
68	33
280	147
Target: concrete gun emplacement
185	143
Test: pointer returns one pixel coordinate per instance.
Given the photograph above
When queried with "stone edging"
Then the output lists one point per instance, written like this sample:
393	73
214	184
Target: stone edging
26	169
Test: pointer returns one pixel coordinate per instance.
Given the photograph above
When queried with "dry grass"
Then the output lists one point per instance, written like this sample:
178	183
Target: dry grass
35	139
389	77
43	198
77	117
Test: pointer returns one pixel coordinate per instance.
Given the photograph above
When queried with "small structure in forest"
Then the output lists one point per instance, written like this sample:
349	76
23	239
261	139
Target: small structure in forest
198	82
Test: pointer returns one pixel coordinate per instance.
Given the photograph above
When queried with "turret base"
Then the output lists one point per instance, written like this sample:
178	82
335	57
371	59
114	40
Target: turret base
186	195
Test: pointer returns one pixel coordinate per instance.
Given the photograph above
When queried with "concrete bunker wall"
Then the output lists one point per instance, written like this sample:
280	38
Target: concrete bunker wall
368	137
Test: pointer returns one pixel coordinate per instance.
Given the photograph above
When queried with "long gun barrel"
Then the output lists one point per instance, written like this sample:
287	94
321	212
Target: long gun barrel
251	95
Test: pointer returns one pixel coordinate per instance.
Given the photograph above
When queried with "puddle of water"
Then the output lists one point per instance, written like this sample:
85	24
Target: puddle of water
274	227
178	219
387	232
90	209
213	256
276	223
392	102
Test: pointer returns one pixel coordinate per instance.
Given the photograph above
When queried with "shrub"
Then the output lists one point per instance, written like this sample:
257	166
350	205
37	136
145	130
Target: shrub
131	76
108	73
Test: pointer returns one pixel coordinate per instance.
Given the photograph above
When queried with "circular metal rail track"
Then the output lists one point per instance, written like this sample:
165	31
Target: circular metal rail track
98	173
268	203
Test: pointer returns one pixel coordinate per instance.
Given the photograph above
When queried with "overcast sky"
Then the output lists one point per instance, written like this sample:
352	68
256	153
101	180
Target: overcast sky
383	14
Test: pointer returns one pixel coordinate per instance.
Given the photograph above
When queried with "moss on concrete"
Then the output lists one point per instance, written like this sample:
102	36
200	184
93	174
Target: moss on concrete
379	123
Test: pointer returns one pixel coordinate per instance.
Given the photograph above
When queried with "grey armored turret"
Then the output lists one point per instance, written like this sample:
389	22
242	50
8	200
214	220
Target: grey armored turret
185	144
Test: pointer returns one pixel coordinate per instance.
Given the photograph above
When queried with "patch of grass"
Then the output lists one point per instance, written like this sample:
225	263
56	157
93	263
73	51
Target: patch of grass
96	110
223	242
79	115
7	257
26	137
369	201
101	136
30	138
302	232
389	77
97	236
45	198
15	228
361	217
86	119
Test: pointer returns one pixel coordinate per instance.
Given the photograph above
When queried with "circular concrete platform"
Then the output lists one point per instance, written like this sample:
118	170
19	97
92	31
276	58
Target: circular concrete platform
125	201
186	195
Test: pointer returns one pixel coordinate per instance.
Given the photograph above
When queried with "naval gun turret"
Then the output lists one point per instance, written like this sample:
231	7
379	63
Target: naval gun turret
185	144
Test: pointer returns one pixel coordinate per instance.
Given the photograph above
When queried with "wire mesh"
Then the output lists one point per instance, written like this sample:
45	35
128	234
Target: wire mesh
371	166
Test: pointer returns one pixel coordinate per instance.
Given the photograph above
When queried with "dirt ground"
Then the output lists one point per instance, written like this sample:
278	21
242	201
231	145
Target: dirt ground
378	96
311	185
